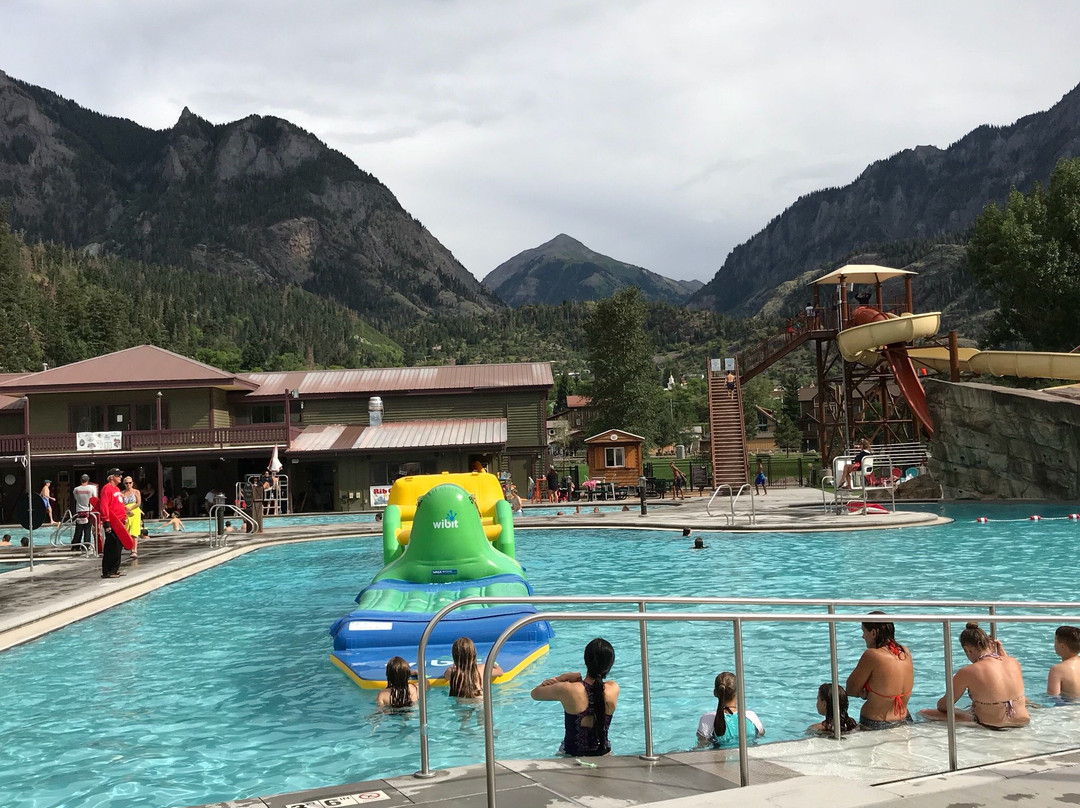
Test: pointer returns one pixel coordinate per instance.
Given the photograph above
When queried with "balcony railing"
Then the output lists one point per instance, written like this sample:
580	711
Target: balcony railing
220	437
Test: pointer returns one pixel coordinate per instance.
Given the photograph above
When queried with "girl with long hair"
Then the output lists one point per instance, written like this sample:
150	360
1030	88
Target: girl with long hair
465	676
884	677
721	727
588	701
825	708
399	690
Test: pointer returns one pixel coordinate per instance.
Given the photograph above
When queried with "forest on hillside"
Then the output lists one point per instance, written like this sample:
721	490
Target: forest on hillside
59	305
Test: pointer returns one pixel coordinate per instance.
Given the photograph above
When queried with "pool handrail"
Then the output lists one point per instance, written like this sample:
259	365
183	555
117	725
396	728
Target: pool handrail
752	516
221	539
737	619
642	601
731	496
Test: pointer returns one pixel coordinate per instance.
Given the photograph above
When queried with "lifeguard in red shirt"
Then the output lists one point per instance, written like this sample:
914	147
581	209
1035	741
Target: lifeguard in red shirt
114	524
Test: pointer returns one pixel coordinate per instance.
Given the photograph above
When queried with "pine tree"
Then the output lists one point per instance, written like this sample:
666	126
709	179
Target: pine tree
625	388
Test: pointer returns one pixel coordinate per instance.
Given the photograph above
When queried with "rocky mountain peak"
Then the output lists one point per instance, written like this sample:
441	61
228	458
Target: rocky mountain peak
259	197
565	269
924	192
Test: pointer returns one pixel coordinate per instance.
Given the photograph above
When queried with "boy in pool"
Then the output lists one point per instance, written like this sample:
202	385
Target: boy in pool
1064	677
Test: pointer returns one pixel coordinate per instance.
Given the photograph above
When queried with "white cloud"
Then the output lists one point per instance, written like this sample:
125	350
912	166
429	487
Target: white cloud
661	133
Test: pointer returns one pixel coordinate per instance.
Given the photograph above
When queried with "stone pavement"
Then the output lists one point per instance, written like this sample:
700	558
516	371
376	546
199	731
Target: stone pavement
707	779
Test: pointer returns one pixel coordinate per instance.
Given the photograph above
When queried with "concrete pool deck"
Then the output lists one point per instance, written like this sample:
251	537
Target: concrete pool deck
709	779
67	588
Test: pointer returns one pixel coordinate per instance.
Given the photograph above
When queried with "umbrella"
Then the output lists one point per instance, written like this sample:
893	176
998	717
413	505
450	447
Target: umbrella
275	464
862	273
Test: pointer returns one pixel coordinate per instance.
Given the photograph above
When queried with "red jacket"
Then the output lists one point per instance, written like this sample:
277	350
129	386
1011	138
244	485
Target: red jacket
114	513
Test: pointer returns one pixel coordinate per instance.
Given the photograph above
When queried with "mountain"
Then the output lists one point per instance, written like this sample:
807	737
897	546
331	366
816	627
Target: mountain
258	197
920	193
565	269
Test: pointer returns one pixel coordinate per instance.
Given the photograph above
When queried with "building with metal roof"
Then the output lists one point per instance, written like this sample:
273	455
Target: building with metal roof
174	423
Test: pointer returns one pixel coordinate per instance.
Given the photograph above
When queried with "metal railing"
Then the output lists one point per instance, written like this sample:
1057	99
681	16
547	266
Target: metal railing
642	617
277	501
221	539
733	499
838	494
753	510
69	519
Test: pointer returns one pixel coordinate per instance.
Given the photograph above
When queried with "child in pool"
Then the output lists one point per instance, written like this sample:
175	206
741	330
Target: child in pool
721	727
399	690
1064	677
825	708
465	676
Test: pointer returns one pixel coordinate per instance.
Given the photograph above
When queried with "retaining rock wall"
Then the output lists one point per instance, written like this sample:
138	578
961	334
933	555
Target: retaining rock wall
1002	443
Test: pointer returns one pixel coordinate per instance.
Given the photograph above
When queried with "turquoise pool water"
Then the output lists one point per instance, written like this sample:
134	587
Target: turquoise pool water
586	509
220	686
45	535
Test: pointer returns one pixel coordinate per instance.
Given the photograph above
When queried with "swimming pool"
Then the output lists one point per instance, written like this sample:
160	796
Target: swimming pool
587	508
220	686
200	524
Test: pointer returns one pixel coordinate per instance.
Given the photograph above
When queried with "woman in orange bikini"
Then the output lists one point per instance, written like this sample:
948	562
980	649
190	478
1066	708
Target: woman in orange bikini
884	677
993	680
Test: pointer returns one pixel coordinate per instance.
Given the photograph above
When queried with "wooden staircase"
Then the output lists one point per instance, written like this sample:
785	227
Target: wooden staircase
727	431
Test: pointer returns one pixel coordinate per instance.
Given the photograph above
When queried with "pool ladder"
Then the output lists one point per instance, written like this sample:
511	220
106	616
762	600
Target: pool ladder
733	498
221	539
68	520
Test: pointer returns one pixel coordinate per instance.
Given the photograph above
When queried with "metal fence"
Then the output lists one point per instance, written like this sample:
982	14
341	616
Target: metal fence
737	619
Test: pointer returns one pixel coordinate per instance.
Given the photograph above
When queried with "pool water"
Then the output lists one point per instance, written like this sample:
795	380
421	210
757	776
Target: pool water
200	524
587	509
220	686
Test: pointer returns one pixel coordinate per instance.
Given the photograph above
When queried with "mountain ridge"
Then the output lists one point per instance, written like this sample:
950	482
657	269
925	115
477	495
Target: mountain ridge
258	196
917	193
565	269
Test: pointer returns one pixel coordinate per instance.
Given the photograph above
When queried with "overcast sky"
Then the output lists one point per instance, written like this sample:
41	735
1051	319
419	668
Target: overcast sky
659	133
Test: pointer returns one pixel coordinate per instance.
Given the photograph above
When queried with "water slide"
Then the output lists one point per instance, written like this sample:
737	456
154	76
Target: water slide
876	332
1022	364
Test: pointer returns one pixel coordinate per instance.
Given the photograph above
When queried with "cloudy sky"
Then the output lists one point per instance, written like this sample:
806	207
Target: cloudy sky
659	133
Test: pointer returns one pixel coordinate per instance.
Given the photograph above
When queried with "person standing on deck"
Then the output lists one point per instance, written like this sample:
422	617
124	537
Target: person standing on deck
48	499
83	493
114	524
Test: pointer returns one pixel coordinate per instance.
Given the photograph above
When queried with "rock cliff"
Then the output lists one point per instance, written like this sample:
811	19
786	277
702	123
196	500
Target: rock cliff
258	196
995	442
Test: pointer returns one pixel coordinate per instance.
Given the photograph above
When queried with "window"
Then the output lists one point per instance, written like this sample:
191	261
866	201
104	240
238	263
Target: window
119	418
386	472
146	416
613	457
86	418
273	414
268	414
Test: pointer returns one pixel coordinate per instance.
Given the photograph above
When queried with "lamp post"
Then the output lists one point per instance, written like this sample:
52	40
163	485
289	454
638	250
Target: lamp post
29	480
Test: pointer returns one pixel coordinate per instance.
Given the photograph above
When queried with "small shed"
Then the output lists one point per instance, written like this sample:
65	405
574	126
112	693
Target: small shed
616	456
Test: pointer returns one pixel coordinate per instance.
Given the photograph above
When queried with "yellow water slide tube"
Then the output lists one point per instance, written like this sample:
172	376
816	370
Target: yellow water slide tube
1022	364
871	336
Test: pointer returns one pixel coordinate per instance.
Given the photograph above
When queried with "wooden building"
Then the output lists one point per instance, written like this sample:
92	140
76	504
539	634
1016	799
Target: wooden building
616	457
179	424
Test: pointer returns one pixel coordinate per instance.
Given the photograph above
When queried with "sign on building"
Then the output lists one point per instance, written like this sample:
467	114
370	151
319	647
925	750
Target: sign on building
380	496
99	441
